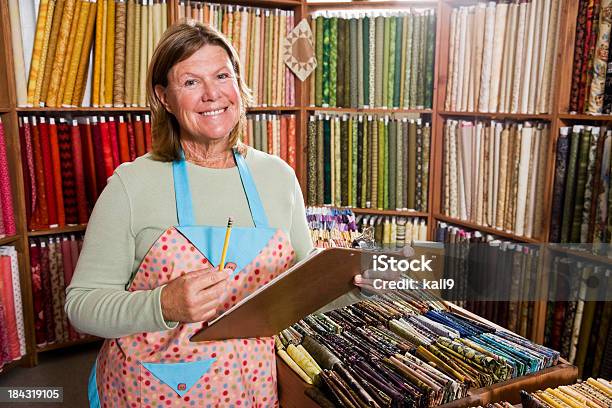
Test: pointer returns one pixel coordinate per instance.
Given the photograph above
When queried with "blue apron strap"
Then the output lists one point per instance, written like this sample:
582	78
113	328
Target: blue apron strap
184	206
257	210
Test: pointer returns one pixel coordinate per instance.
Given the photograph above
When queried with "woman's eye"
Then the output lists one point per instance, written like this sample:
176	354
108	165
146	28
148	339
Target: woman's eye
191	83
223	76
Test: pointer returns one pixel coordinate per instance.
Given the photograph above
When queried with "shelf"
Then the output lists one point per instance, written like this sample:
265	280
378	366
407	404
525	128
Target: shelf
402	213
576	116
370	4
498	115
58	230
87	109
60	345
368	110
263	3
488	230
5	110
589	256
272	108
9	240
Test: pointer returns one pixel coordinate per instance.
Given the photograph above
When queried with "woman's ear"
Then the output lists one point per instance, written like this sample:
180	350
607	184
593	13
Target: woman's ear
160	92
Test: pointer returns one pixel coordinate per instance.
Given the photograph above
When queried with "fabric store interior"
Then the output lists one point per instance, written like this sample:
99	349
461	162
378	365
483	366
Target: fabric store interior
475	132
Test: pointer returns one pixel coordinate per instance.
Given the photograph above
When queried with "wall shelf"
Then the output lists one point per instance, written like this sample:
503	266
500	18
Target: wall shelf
58	230
385	111
488	230
499	115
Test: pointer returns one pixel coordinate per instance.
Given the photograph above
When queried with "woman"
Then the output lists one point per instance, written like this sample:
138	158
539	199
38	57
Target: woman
147	277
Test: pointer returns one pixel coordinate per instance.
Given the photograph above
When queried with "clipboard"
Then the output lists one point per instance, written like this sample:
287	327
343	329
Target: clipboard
298	292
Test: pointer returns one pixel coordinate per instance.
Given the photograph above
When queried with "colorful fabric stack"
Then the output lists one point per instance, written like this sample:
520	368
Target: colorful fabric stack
52	263
581	200
493	174
85	52
67	161
368	161
591	90
590	393
273	134
576	324
403	349
7	214
493	278
371	58
392	231
12	331
332	227
257	34
501	57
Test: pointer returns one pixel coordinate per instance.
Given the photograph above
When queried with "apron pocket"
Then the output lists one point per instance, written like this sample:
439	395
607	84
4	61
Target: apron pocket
179	376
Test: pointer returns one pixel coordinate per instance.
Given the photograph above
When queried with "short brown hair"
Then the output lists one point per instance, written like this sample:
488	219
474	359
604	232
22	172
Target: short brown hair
178	43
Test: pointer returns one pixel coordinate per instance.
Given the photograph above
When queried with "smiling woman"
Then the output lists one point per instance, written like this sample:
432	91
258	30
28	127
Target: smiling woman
148	276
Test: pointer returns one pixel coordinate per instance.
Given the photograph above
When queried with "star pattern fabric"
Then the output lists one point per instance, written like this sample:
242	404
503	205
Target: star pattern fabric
298	51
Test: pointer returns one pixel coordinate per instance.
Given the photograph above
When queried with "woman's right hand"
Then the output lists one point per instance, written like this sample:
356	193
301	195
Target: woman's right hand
195	296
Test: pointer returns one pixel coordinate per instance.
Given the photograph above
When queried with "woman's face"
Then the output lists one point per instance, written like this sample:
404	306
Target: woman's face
203	94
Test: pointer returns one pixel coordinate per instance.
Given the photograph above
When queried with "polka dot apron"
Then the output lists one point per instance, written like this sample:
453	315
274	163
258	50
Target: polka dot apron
165	369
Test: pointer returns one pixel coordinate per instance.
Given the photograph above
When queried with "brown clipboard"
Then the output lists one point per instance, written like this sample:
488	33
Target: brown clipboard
300	291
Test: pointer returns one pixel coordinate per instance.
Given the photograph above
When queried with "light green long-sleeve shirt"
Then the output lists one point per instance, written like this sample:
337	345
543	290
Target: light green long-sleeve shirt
138	205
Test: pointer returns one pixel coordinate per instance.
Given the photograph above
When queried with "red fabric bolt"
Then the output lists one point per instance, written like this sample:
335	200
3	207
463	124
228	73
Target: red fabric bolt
107	149
39	217
57	174
8	215
79	174
124	146
89	165
9	305
112	131
43	129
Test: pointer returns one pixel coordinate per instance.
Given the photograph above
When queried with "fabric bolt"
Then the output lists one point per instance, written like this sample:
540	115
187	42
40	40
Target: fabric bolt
501	11
379	60
412	164
581	179
415	72
392	57
333	61
372	62
81	31
326	62
319	68
144	59
39	213
385	61
38	59
47	68
487	59
592	24
418	191
392	164
589	185
48	172
119	57
519	61
600	62
83	65
70	52
6	197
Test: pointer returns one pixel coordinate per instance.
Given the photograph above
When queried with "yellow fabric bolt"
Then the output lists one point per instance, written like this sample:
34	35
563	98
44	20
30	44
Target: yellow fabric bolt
109	65
292	364
37	50
129	52
95	89
303	361
69	52
102	84
44	60
81	78
136	52
61	52
71	74
48	68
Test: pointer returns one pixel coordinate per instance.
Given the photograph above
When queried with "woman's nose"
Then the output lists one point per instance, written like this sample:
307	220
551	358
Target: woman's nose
210	91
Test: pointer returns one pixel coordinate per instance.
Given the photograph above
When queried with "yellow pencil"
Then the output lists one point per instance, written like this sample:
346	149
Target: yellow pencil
228	231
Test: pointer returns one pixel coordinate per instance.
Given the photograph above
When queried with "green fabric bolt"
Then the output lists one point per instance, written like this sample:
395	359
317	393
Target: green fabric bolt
406	146
412	140
422	63
385	165
360	94
404	21
419	167
380	36
354	160
359	185
392	54
381	165
344	143
347	64
581	177
312	163
340	101
349	173
408	69
353	63
372	65
333	60
429	63
397	67
416	58
425	176
327	153
365	180
385	61
319	68
320	162
399	166
570	187
338	160
392	163
374	165
366	59
326	58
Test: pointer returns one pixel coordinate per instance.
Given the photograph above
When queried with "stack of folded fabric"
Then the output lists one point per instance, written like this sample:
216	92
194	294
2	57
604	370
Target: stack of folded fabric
331	227
404	349
593	393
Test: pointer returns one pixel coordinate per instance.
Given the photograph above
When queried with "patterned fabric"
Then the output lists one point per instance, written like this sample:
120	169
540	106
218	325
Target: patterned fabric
326	62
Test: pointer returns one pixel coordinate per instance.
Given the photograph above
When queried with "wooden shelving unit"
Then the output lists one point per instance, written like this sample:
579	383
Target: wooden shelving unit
10	112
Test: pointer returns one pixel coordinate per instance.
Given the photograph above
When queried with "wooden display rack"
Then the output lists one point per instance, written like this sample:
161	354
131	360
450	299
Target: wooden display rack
558	117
